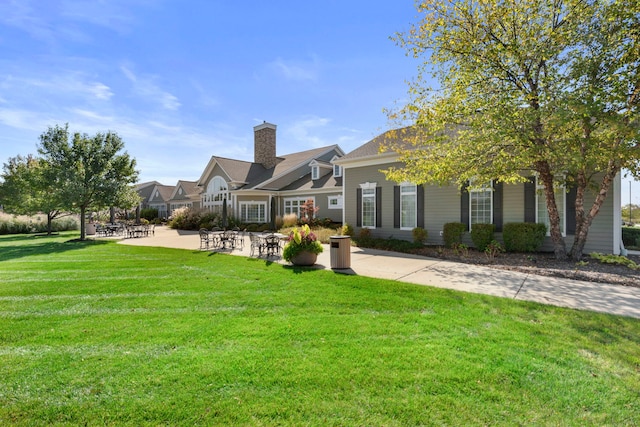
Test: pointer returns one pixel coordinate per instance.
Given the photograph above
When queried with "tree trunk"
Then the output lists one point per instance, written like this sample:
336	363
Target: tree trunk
49	223
584	221
559	247
82	224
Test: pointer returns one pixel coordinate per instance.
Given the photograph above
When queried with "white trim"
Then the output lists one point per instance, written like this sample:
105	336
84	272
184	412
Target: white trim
617	214
301	201
415	194
481	189
339	201
378	159
368	185
315	172
252	202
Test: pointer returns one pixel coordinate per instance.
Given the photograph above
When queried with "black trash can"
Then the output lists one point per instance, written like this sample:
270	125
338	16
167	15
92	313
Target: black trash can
340	247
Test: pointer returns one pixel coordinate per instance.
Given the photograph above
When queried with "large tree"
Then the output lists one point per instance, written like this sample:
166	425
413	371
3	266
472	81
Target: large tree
25	190
548	87
89	173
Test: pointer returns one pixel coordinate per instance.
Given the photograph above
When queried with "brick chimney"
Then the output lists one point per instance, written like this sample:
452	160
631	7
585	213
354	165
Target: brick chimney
264	144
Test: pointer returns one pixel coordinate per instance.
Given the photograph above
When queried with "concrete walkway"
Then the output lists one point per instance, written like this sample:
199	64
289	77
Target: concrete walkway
614	299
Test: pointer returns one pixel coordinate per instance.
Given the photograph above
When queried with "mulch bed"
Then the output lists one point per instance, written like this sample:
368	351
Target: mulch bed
545	264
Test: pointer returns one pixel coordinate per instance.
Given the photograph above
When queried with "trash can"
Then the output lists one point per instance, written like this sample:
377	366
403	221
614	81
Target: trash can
90	229
340	247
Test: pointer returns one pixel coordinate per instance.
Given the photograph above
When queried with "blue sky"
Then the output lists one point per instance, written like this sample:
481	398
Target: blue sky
182	81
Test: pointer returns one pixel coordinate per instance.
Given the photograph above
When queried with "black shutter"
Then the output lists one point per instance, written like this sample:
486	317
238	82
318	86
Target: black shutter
464	206
359	207
571	210
530	200
497	205
378	207
420	201
396	206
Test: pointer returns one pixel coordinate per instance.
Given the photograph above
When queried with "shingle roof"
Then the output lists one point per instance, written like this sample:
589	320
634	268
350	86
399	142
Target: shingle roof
306	183
254	174
372	148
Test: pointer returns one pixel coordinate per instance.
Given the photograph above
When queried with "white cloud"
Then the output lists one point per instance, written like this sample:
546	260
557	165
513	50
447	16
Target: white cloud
147	88
296	70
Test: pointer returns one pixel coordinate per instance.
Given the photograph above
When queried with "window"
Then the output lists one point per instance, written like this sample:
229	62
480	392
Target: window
315	172
542	213
337	171
481	205
368	205
296	205
253	211
408	206
335	202
217	191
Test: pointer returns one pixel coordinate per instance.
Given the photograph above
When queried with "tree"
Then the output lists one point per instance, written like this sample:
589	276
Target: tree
88	172
25	191
549	87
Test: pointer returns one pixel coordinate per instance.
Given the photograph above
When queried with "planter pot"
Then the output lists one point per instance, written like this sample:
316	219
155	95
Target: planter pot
304	259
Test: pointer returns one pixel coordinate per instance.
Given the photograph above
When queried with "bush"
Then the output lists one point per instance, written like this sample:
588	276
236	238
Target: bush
631	236
289	220
13	224
523	236
390	244
493	249
419	235
482	235
149	213
452	233
346	230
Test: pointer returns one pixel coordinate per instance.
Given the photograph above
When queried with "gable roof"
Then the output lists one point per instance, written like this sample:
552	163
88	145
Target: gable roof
248	175
373	147
164	191
190	189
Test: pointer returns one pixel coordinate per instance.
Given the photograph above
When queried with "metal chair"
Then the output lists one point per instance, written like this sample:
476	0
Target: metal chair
204	238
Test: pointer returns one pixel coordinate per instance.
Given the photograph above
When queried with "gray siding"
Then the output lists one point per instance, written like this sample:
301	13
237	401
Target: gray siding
442	205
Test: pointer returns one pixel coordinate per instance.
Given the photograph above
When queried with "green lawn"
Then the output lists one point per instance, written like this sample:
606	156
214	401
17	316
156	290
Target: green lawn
102	333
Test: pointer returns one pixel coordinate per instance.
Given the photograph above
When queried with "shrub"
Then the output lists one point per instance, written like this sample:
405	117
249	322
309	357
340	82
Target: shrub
631	236
452	233
523	236
149	213
289	220
493	249
419	235
615	259
347	230
482	235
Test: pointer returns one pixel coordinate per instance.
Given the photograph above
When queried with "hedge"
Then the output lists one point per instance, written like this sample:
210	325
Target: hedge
523	236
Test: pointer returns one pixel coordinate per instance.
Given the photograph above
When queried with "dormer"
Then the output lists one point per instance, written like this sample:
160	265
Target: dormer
337	169
319	169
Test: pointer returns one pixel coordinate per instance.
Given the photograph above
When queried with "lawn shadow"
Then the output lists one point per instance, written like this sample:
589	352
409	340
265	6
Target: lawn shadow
40	245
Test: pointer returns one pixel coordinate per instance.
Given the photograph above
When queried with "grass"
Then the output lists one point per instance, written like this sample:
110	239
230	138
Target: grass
102	333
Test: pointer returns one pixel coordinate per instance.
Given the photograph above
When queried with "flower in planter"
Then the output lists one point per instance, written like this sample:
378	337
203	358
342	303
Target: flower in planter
301	240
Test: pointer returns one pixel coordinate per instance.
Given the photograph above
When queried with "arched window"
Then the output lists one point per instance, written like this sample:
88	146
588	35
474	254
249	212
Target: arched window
217	191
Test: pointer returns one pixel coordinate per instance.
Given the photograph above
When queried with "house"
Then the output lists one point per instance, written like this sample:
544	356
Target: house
145	190
186	194
391	209
272	185
159	199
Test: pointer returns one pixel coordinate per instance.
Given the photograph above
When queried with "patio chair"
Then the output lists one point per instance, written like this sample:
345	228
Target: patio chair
205	241
256	243
272	243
